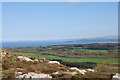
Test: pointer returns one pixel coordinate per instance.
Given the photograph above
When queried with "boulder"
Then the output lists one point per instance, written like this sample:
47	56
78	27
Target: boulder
78	70
56	73
36	60
18	73
53	62
2	54
22	58
91	70
116	77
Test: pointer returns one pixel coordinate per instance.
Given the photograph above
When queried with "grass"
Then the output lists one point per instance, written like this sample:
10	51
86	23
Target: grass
93	51
88	50
97	60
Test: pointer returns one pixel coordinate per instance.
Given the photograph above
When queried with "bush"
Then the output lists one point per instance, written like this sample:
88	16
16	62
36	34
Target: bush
80	64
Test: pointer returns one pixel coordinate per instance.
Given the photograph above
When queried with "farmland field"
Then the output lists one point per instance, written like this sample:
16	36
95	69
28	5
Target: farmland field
97	60
74	52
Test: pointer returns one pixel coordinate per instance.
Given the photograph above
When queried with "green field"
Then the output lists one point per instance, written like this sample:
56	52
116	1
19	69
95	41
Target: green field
85	50
91	51
97	60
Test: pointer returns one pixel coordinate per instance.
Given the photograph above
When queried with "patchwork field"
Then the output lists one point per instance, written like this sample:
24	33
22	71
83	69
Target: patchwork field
97	60
74	52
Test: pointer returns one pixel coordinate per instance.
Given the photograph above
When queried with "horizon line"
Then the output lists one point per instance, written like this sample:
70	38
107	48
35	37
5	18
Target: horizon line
57	39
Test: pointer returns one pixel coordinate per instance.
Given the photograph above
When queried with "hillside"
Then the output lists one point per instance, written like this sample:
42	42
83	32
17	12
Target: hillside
98	39
21	66
74	62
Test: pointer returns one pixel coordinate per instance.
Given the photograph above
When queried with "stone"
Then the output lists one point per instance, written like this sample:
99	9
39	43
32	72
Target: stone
52	62
78	70
34	75
36	60
27	59
24	58
18	73
71	73
91	70
56	73
116	77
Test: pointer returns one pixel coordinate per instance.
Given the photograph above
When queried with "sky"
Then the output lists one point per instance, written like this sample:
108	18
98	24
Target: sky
60	0
23	21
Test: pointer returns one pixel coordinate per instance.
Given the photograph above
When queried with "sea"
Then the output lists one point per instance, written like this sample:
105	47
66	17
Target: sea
42	43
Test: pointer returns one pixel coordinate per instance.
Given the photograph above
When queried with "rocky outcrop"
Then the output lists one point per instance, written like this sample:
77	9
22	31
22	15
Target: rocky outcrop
78	70
70	73
2	54
35	67
22	58
75	71
116	77
34	75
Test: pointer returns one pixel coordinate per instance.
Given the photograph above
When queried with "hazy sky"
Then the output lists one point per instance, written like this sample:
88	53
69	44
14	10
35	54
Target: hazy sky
57	20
